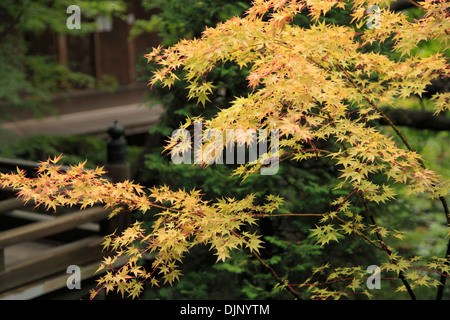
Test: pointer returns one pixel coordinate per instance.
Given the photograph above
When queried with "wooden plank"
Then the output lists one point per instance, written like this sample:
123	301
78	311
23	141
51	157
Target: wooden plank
11	204
38	216
2	259
20	252
49	284
51	262
26	165
46	228
58	281
97	56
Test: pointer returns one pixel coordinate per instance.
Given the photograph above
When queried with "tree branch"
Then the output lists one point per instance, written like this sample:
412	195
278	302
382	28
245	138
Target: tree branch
400	5
275	275
14	22
405	142
380	238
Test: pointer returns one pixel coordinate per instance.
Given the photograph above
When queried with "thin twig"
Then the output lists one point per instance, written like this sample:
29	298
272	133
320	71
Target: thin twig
416	4
405	142
273	272
289	215
388	251
275	275
422	164
444	275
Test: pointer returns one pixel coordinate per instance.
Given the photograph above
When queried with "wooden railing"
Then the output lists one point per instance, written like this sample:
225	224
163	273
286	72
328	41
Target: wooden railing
75	236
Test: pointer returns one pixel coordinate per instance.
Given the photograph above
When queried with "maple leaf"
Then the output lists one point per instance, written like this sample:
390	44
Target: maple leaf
136	290
254	243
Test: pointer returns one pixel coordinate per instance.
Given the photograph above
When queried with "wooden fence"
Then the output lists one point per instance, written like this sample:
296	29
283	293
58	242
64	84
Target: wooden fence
36	248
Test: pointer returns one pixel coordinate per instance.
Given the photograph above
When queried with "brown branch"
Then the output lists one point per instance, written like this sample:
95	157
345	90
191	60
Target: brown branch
380	238
14	22
275	275
444	275
405	142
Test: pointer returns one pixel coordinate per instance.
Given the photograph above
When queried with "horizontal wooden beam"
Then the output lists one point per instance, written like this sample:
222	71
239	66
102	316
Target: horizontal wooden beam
400	5
51	262
58	281
31	216
11	204
42	229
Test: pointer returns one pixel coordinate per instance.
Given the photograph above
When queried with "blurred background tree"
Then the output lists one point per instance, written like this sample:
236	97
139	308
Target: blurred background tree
30	77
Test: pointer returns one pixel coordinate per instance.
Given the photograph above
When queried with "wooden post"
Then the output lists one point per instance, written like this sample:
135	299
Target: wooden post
62	49
118	170
63	57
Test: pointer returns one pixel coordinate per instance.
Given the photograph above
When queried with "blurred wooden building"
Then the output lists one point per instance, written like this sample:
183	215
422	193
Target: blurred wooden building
109	55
